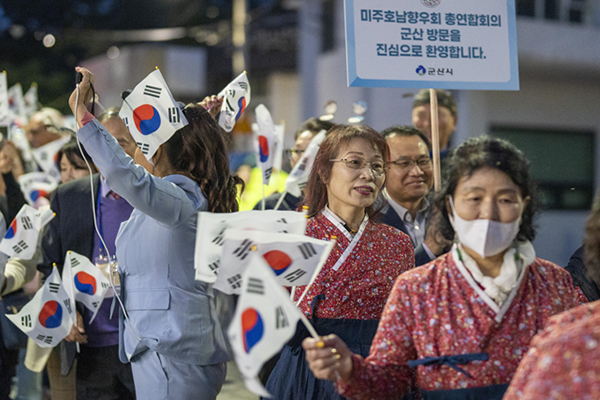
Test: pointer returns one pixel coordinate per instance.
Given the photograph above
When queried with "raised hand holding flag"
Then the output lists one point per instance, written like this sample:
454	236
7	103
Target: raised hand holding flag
21	238
296	260
151	113
48	317
236	97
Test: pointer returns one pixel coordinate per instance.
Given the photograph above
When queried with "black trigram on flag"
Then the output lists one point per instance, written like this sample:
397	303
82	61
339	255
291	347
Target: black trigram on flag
67	304
152	91
44	156
104	285
302	185
235	281
26	320
297	274
174	115
303	165
19	247
54	287
256	286
126	121
307	250
220	238
214	267
244	86
74	262
45	339
281	320
268	173
244	249
282	221
95	304
144	147
26	222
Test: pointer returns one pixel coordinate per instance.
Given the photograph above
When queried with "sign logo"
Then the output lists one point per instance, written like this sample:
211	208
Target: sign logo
147	119
12	230
85	283
278	260
51	315
263	147
252	328
421	70
431	3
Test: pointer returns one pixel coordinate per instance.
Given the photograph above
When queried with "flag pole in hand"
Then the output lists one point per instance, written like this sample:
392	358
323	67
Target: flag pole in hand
435	139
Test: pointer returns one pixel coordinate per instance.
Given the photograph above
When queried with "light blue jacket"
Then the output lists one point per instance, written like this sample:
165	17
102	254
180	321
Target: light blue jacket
171	312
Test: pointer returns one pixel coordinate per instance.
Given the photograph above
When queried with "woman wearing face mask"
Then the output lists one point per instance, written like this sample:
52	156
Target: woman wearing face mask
348	295
171	336
465	320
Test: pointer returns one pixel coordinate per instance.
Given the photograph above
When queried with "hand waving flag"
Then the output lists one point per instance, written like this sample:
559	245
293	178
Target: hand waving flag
48	317
236	97
21	238
151	114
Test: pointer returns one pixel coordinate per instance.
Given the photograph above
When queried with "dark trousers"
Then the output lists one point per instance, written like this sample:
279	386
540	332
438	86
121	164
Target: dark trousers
102	376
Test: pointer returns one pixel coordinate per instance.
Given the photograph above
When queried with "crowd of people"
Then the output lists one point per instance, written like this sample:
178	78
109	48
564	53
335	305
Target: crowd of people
424	295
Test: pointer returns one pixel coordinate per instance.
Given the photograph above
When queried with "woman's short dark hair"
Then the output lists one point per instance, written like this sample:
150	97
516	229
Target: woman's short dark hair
591	242
199	150
405	131
71	151
481	152
315	194
314	125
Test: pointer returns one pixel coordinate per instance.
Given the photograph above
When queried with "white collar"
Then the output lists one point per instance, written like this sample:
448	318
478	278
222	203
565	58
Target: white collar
401	210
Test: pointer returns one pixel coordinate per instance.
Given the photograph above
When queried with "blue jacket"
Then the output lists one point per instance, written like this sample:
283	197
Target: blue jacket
169	311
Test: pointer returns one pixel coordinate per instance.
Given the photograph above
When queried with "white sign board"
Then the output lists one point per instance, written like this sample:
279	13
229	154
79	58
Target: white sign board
442	44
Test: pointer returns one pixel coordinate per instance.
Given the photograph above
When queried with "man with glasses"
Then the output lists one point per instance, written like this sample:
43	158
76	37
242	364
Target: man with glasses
308	130
409	180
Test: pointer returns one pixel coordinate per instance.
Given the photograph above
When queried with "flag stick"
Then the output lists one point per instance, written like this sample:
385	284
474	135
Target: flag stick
435	139
263	199
280	200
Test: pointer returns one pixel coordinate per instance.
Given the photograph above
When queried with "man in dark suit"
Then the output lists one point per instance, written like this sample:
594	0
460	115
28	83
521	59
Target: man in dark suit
408	182
99	373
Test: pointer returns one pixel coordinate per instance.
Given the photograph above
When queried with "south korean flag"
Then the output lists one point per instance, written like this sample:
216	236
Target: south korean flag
265	139
151	113
48	317
236	97
296	260
84	282
36	185
46	157
4	120
298	177
21	238
210	235
264	320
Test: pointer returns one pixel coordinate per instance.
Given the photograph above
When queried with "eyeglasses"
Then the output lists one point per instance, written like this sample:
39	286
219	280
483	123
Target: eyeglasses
377	167
406	165
291	152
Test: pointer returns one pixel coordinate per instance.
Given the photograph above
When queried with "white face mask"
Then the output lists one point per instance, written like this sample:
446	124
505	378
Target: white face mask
483	236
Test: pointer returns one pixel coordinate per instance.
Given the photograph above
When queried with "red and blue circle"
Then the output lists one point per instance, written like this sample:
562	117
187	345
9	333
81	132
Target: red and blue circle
51	315
36	194
252	328
147	119
242	107
263	148
278	260
85	283
12	230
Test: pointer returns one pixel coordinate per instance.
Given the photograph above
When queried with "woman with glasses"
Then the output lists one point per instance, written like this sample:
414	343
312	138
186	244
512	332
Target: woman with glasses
348	295
458	327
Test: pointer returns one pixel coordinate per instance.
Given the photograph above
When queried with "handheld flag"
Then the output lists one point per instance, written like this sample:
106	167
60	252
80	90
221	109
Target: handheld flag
236	97
264	320
4	120
21	238
211	234
265	138
151	113
46	156
16	103
84	282
30	100
35	185
278	151
48	317
296	260
298	178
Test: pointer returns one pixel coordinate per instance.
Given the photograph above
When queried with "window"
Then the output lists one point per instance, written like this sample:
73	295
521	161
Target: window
562	162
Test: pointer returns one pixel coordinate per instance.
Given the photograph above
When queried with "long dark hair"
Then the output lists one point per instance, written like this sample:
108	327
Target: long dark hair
477	153
198	149
315	194
71	150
